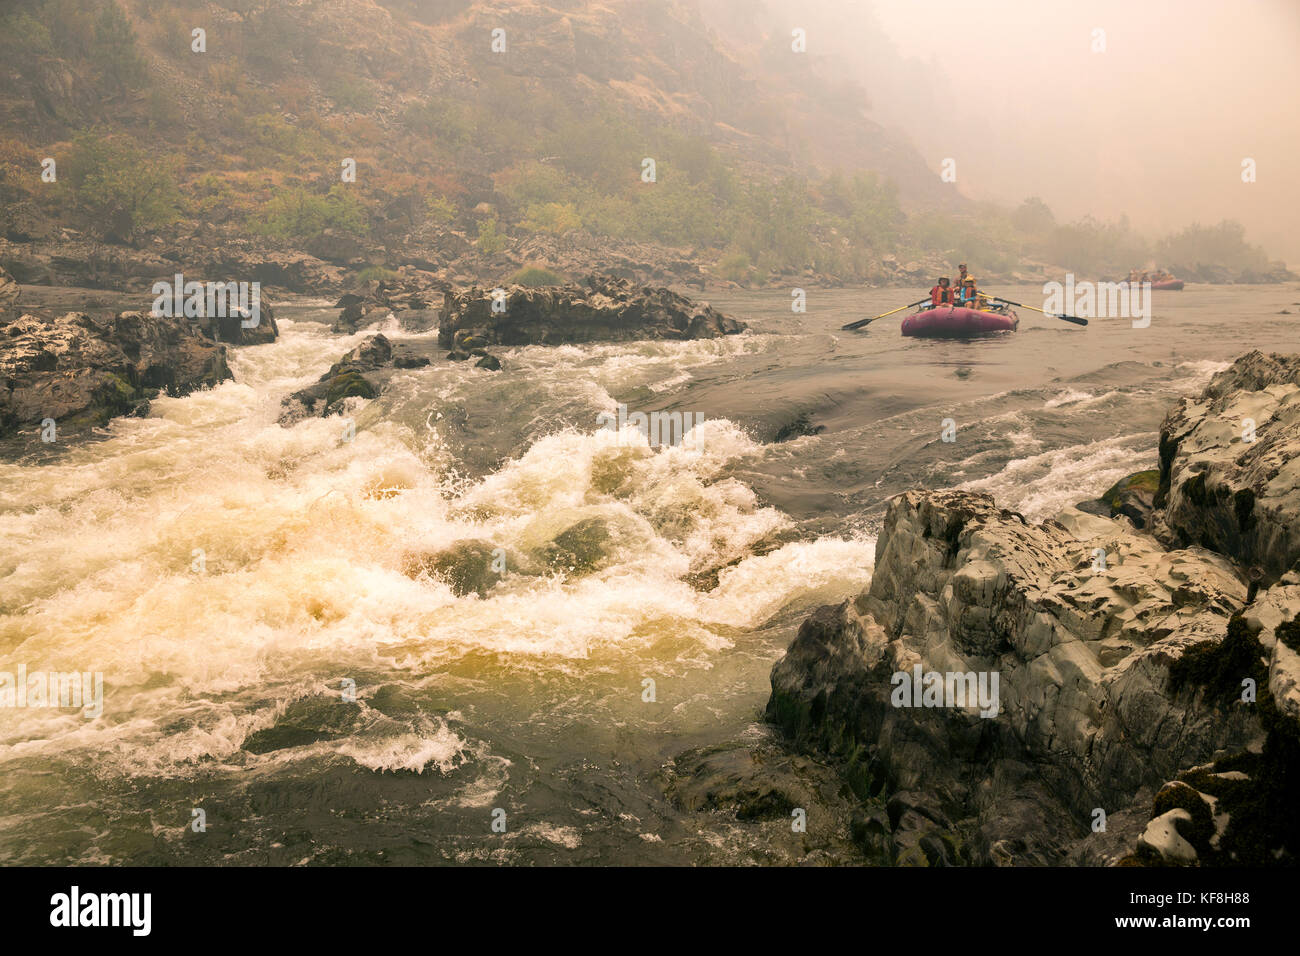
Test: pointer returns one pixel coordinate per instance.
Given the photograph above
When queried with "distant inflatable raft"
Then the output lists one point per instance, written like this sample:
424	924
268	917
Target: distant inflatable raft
951	322
1172	285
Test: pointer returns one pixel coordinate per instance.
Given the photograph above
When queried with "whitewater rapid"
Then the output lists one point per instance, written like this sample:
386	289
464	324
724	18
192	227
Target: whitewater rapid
217	567
273	656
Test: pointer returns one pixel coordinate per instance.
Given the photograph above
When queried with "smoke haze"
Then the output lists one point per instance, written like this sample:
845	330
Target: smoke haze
1154	128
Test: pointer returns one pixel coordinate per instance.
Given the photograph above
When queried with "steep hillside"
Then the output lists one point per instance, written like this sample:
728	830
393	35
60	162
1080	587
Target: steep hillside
455	142
465	139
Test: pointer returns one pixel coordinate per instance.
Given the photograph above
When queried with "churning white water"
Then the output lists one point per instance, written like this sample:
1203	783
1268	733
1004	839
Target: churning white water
279	650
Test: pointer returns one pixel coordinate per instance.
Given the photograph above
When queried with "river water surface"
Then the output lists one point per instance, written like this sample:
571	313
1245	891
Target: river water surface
229	576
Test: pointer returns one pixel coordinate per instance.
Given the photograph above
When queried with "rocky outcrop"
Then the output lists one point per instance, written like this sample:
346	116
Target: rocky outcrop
1238	809
74	260
408	297
1230	467
606	309
362	373
1079	691
80	369
1082	647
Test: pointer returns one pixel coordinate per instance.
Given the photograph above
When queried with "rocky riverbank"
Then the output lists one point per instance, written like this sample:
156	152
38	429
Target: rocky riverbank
1144	685
78	369
83	366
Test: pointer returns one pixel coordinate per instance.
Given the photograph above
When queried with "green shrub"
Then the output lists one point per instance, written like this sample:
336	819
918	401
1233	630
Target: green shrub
552	217
490	239
440	209
536	276
118	189
375	272
735	267
350	93
299	214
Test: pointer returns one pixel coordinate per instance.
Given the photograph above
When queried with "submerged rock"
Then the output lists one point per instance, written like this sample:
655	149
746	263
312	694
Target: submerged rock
605	310
754	783
580	548
467	567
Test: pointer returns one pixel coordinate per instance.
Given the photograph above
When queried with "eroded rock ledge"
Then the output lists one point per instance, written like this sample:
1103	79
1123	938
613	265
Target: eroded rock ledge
604	310
1115	676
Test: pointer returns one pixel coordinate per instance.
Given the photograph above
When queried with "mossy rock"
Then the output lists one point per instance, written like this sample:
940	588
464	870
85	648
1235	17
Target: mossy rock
1219	667
1289	634
306	721
1133	496
536	276
348	385
1263	828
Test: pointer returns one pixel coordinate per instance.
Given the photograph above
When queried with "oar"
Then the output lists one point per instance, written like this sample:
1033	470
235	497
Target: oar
861	322
1068	318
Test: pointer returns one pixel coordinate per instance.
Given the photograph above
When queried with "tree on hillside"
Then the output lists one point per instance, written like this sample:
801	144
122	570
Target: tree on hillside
1221	245
1033	217
119	190
113	52
299	214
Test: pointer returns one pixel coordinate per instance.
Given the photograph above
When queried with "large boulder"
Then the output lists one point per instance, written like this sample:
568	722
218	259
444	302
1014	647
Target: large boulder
604	310
1080	619
1132	497
80	369
1230	467
231	328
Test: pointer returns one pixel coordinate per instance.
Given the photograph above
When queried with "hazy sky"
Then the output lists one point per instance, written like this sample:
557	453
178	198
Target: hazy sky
1156	127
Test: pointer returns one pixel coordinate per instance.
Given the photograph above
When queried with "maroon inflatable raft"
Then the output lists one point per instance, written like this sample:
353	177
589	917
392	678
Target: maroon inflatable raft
1171	285
952	322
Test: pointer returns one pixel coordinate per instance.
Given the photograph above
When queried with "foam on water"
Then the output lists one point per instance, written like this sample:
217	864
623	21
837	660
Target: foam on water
1039	486
216	567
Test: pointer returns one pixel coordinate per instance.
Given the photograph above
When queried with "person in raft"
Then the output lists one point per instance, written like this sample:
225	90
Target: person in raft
968	297
941	294
961	278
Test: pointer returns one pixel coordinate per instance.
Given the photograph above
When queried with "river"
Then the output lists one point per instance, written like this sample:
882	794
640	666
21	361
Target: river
231	578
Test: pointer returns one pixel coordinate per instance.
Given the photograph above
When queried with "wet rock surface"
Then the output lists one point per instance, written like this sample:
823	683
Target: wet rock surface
1148	705
81	369
602	310
1230	467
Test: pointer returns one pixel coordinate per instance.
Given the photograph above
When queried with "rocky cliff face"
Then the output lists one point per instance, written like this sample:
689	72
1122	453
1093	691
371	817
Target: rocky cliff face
1119	665
1230	466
